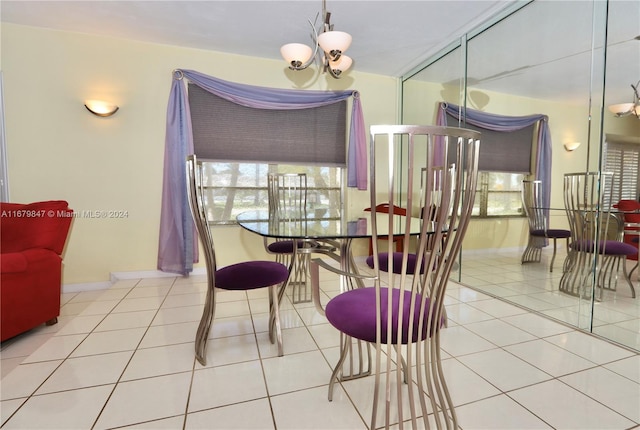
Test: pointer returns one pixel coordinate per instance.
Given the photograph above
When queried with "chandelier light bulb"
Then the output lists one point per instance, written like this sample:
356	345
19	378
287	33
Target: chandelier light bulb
340	65
334	43
296	54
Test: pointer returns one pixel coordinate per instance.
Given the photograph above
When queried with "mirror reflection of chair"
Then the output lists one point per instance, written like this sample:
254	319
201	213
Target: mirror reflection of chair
287	194
596	237
392	209
630	211
539	231
403	316
247	275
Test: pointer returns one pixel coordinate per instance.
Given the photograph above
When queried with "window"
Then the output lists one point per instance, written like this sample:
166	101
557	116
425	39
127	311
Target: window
623	159
498	194
231	188
505	158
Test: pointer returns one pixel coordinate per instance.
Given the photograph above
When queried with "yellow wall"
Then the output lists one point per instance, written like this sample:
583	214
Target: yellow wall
57	150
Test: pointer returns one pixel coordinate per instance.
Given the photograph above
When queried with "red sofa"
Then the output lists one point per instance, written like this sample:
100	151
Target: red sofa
32	237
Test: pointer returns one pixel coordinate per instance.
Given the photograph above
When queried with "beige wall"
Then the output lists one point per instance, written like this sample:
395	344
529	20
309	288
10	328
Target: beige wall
57	150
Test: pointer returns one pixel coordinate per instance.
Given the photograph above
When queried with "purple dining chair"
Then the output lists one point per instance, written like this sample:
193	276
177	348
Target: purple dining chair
403	316
246	275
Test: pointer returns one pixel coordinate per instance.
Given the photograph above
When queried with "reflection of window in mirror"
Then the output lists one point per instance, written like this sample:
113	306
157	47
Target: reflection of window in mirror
623	159
506	157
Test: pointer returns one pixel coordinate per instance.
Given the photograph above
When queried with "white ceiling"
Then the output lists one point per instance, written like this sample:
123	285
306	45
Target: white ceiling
389	37
537	57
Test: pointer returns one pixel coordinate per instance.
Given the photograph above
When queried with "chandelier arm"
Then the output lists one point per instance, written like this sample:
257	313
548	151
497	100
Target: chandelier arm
635	90
314	36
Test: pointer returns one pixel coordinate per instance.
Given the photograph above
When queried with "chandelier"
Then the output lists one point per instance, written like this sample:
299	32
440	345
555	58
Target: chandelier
626	109
329	43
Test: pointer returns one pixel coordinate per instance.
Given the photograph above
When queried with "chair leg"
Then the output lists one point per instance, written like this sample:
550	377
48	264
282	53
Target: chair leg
627	276
553	257
53	321
344	351
275	329
205	323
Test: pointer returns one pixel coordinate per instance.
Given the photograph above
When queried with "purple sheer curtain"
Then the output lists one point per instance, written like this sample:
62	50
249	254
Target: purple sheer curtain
509	123
178	248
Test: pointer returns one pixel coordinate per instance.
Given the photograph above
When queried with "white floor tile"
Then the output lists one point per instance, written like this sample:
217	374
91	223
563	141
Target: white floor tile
56	348
161	360
226	385
310	409
254	415
109	341
499	332
589	347
499	360
564	407
609	388
549	358
498	412
628	367
83	372
26	378
145	400
75	409
503	370
458	340
126	320
296	372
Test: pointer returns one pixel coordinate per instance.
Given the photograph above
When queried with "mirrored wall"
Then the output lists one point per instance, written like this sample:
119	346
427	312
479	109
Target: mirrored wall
568	61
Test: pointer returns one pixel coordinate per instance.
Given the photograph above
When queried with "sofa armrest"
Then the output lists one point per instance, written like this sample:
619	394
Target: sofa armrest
35	225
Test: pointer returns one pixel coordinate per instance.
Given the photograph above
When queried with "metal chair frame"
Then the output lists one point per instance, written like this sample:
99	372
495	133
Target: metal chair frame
589	269
538	219
287	194
413	371
195	193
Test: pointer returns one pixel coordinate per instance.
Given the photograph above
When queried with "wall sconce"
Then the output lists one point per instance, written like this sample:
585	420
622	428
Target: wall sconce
100	108
571	146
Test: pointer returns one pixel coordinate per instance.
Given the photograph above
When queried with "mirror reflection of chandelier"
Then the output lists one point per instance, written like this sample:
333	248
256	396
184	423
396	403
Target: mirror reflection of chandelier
626	109
329	43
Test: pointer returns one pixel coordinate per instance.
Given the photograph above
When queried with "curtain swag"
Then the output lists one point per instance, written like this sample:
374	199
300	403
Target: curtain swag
509	123
178	246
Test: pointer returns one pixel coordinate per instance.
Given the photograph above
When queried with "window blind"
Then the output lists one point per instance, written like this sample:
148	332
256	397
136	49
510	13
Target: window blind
226	131
624	161
503	151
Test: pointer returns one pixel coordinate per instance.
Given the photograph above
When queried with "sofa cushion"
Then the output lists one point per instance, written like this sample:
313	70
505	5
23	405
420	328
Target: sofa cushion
34	225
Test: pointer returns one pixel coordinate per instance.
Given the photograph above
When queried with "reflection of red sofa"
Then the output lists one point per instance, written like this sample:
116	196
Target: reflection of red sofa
631	209
32	237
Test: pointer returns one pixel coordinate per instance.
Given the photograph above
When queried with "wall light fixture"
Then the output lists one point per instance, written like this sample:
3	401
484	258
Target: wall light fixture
100	107
571	146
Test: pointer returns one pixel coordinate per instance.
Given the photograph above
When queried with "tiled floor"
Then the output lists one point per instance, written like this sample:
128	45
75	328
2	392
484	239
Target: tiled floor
500	274
123	358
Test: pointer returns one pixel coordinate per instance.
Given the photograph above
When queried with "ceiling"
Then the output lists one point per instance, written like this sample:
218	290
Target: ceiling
389	37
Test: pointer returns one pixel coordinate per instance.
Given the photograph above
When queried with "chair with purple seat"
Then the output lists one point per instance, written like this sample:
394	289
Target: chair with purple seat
403	316
246	275
539	231
597	246
287	193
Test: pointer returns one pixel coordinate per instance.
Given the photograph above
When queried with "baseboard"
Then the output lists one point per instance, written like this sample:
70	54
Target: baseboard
117	276
90	286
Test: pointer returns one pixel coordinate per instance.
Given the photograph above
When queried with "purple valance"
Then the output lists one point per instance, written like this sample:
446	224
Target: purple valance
178	248
496	122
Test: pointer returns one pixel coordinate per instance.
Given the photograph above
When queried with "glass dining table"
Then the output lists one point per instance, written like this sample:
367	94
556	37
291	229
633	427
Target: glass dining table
332	237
